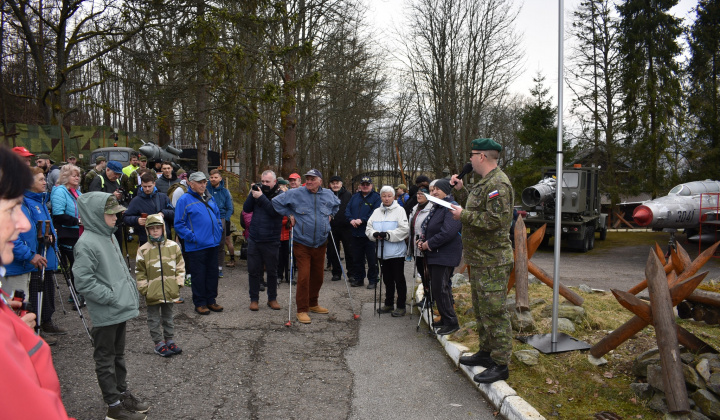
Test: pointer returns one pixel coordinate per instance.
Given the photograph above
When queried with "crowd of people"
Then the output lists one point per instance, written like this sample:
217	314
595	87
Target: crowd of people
59	217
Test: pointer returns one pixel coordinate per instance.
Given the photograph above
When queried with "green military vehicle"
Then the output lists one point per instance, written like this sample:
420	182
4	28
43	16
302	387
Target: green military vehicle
580	213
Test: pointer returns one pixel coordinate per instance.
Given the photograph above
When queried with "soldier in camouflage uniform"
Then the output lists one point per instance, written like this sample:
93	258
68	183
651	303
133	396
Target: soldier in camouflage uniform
486	223
99	168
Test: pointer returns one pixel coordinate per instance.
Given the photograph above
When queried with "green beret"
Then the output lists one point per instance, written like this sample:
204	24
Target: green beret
485	144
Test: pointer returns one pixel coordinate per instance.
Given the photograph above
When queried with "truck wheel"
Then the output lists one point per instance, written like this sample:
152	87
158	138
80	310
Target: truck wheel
585	243
603	233
591	237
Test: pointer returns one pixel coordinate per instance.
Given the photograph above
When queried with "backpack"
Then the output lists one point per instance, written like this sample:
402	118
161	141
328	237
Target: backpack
174	187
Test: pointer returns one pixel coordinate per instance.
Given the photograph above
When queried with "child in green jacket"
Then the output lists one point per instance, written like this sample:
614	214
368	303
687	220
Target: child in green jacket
160	273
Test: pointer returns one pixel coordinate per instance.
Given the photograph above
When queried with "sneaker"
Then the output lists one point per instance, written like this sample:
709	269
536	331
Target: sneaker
174	348
163	350
119	412
188	280
52	328
398	312
335	278
220	274
230	264
447	329
131	403
386	309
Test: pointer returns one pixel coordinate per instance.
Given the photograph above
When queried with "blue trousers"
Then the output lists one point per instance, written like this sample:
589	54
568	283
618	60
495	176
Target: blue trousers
203	268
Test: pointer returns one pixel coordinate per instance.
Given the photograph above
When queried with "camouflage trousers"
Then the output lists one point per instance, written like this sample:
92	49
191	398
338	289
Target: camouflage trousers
489	291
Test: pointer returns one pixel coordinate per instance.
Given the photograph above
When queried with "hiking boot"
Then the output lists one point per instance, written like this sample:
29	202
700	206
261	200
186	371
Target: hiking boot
215	307
131	403
273	304
447	329
335	278
202	310
398	312
358	283
254	306
318	309
119	412
371	285
492	374
162	349
174	348
386	309
481	358
230	264
303	318
50	340
52	328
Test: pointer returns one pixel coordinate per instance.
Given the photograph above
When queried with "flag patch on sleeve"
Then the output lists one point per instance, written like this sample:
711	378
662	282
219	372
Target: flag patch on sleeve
493	194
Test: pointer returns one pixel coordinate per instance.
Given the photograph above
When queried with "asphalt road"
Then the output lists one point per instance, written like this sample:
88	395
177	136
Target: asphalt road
243	364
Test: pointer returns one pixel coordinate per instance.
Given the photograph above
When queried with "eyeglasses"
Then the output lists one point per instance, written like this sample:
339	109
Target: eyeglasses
473	154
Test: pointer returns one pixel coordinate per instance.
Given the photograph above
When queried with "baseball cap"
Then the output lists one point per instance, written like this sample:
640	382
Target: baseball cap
403	186
294	176
143	158
313	172
335	178
365	180
197	176
21	151
115	166
100	158
45	156
112	206
71	157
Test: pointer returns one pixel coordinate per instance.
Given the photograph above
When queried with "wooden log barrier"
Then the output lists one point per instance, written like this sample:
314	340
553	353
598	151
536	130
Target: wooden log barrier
706	297
666	336
533	242
568	294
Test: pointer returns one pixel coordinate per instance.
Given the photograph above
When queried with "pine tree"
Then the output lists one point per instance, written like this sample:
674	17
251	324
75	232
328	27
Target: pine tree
704	95
651	85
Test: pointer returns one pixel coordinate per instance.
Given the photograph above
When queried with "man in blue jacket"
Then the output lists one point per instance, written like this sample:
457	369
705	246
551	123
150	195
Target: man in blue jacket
216	189
263	239
310	209
198	223
149	201
358	211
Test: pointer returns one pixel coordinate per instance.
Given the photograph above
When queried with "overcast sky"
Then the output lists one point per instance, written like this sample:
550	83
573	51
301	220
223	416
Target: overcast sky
538	22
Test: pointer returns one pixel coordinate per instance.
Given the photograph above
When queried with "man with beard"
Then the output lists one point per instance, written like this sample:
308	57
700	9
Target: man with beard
167	178
51	170
340	228
264	239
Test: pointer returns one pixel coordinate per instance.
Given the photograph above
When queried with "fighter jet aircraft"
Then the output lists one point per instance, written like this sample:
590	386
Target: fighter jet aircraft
682	209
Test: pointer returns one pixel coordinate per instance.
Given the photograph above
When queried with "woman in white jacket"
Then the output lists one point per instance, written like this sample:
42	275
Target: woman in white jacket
389	224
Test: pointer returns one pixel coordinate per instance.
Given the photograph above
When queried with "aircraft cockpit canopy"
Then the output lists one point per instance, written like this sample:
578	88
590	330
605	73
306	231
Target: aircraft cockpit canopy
696	188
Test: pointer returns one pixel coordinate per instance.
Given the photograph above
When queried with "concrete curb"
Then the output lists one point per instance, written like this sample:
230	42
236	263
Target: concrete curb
499	394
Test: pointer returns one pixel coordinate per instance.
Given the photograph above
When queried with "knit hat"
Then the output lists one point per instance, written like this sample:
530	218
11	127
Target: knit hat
443	185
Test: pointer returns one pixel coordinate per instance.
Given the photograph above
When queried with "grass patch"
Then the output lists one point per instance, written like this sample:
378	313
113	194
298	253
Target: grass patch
567	385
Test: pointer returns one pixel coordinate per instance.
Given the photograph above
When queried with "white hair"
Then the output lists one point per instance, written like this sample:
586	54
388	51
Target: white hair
432	184
387	189
269	172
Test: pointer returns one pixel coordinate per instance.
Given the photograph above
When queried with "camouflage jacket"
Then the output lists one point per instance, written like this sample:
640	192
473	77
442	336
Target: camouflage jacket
87	179
486	221
159	270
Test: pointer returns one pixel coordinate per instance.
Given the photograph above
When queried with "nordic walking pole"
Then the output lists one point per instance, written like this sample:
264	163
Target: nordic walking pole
376	286
290	280
428	302
347	285
414	293
43	245
379	286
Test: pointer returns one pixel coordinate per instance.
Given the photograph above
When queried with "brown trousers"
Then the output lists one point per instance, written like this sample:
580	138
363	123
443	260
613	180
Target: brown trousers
311	270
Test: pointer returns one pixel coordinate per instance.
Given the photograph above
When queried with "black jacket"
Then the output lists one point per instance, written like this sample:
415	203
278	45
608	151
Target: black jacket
340	221
443	237
266	222
150	204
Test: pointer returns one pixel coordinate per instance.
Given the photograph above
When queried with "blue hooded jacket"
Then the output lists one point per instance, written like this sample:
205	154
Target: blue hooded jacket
198	222
222	199
311	211
26	245
361	208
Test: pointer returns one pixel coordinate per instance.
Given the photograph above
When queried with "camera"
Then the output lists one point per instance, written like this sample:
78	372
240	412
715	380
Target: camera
257	187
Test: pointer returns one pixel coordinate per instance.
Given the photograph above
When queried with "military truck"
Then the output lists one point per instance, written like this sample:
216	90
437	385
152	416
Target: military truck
580	213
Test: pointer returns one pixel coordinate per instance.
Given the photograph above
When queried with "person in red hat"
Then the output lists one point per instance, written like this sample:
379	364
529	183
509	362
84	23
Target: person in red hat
294	180
24	153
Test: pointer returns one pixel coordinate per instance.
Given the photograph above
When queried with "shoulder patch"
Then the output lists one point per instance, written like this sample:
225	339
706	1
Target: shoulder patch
493	194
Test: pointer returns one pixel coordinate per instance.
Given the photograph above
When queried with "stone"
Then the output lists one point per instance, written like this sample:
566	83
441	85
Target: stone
537	302
585	288
692	378
574	313
703	369
696	415
641	362
460	334
458	280
642	390
655	377
710	356
713	383
671	416
522	320
470	324
687	357
566	325
657	402
532	279
595	361
707	403
529	357
714	366
469	311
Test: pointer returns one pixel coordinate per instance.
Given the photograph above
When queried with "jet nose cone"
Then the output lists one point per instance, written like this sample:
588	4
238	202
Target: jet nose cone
643	216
